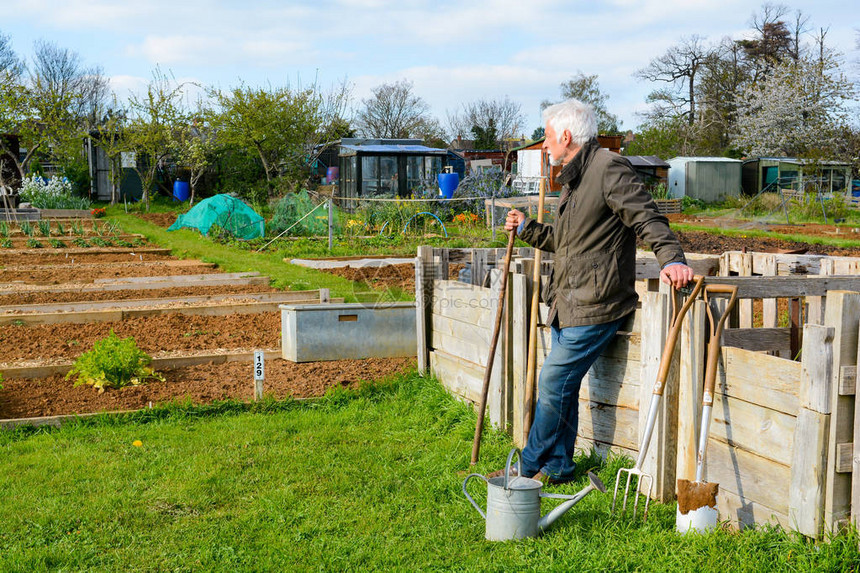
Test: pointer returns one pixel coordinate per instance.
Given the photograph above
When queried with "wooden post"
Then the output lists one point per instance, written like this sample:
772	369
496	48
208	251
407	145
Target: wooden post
423	305
692	372
812	433
745	305
496	396
519	350
325	296
660	461
479	266
842	312
855	486
770	313
815	304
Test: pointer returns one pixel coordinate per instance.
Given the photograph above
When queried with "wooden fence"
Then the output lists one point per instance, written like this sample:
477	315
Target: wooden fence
781	444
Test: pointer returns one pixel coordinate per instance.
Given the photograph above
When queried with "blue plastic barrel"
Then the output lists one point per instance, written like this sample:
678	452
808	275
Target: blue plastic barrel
181	190
448	183
331	174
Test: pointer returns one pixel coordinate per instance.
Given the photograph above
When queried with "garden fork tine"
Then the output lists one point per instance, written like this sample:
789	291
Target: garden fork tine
656	396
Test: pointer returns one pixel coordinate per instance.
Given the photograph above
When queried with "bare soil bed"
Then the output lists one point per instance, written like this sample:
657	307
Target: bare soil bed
400	276
61	257
162	333
707	243
88	272
36	297
24	398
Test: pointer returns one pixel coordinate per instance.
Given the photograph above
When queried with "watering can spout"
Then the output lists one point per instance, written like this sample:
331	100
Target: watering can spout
549	518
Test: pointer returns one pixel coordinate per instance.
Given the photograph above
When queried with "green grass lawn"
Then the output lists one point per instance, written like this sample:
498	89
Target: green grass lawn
366	480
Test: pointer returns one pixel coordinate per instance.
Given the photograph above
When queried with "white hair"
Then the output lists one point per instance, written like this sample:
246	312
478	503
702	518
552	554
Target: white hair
574	116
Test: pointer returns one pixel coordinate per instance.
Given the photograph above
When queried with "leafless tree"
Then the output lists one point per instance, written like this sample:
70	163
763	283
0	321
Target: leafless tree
10	66
394	111
504	117
59	75
587	89
678	68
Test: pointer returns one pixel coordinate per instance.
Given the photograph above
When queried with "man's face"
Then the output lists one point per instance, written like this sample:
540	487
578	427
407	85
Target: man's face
558	150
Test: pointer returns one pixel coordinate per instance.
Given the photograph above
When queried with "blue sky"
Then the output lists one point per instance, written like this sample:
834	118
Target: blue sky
453	52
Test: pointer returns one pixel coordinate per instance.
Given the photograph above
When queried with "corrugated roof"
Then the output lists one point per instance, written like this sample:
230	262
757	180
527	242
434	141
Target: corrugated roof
705	159
646	161
396	149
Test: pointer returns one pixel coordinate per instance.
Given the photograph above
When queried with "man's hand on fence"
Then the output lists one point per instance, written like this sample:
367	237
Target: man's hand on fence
514	219
677	275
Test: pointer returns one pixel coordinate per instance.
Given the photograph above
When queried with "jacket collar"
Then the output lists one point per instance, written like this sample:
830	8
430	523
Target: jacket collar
572	172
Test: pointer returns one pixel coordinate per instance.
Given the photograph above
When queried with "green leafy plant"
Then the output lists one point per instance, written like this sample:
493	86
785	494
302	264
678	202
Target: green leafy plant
57	193
57	243
81	242
660	191
4	229
77	228
27	228
34	243
45	228
60	229
6	243
113	362
99	242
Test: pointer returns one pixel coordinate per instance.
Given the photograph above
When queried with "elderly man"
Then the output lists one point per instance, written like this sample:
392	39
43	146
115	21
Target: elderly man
603	207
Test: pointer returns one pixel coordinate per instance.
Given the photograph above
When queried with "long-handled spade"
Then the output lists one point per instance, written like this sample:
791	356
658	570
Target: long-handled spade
656	397
479	427
697	500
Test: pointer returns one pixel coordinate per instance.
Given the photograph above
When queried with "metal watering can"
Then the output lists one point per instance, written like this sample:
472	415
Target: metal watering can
513	504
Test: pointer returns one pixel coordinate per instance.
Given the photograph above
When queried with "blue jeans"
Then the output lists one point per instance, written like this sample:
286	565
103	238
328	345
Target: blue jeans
551	440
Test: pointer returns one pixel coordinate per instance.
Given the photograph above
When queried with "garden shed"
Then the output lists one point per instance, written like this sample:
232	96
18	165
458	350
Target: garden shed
709	179
759	173
386	167
650	168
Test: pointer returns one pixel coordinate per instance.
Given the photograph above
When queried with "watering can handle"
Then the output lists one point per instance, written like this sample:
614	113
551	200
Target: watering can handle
469	497
508	464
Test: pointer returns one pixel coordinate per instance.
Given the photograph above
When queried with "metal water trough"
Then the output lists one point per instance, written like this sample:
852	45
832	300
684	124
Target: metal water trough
315	332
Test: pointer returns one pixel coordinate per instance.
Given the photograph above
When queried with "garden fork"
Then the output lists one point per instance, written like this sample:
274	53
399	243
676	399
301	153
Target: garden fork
656	397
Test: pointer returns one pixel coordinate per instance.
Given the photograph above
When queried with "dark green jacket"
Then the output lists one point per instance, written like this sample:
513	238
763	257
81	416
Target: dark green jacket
603	206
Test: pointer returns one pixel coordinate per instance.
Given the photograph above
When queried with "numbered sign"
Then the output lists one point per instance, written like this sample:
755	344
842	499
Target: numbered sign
259	365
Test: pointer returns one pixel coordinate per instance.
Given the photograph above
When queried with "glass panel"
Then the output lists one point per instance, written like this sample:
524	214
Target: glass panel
413	173
369	175
838	185
388	175
432	166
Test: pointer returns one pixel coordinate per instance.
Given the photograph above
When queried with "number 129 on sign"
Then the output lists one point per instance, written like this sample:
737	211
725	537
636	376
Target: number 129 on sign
259	365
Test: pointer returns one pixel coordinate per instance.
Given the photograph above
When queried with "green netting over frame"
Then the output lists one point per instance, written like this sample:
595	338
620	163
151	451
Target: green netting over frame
228	213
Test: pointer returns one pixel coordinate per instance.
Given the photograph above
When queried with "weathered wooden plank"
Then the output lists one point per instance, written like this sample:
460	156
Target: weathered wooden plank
691	374
816	369
464	302
742	512
762	431
660	460
647	266
769	381
855	482
584	444
423	303
758	339
745	306
459	377
611	391
842	312
770	315
847	380
809	473
460	329
617	426
752	477
788	286
845	457
175	278
519	358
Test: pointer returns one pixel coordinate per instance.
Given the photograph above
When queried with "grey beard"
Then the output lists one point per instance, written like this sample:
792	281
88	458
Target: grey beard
555	162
